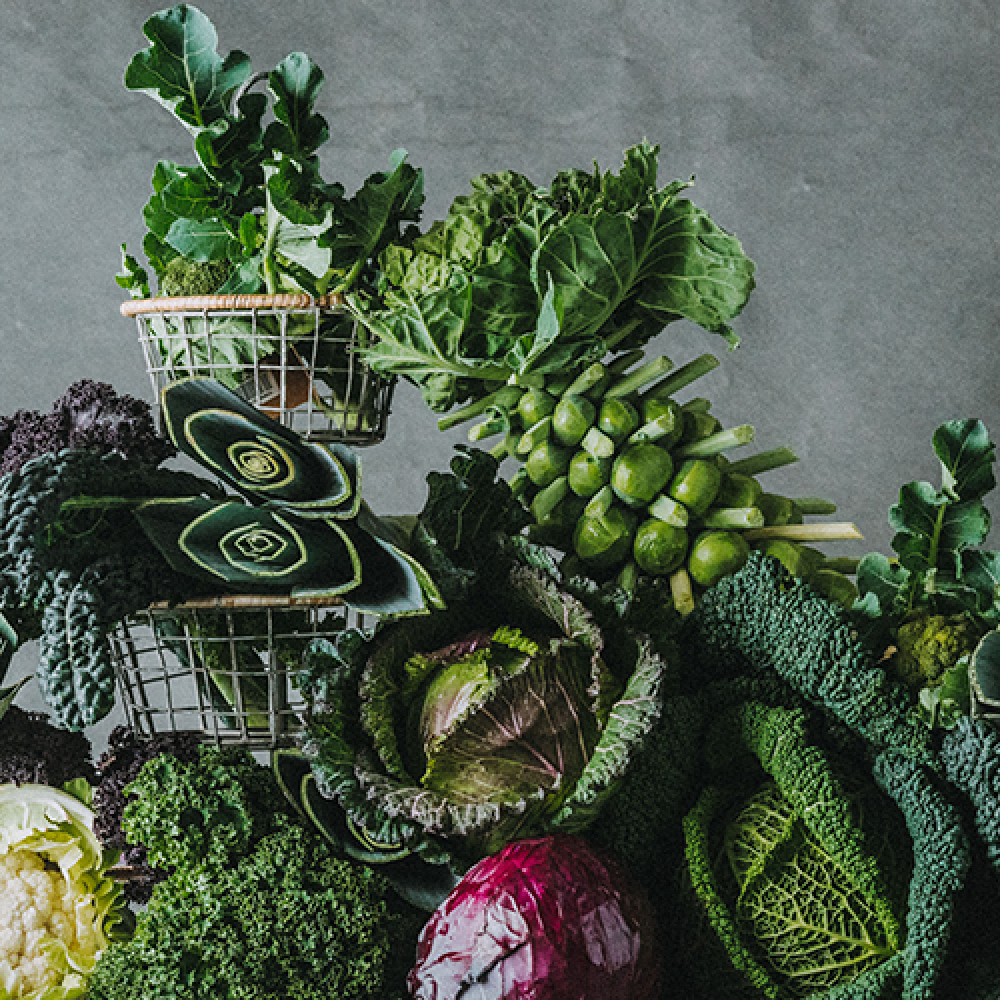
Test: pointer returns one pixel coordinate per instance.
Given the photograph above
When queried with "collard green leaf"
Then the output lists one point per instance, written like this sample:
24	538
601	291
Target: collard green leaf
888	581
967	457
205	240
295	83
183	70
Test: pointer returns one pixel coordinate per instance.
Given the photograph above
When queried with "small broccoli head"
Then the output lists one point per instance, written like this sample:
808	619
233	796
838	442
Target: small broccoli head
190	277
928	646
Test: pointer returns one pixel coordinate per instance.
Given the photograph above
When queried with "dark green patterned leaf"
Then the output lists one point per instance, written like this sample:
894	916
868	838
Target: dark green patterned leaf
967	457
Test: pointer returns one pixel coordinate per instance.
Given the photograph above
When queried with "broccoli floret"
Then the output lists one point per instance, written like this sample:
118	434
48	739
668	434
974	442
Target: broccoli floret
929	645
259	907
32	751
191	277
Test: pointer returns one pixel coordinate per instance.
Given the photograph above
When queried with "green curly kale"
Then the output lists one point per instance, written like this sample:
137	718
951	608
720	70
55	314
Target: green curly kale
259	907
762	619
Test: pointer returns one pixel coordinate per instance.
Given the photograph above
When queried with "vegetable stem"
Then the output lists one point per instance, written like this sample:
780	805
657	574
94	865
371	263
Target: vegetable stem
549	498
682	591
534	436
665	508
806	532
764	461
842	564
734	517
587	379
598	444
506	397
635	381
684	375
814	505
732	437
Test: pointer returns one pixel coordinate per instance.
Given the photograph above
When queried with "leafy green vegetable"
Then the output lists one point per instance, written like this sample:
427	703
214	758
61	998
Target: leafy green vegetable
255	199
258	906
520	280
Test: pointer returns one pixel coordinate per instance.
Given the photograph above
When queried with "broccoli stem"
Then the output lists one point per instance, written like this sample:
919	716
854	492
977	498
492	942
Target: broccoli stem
805	532
732	437
765	461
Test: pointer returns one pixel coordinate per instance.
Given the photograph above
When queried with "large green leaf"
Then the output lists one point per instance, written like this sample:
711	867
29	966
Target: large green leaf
202	240
183	70
256	455
967	457
295	83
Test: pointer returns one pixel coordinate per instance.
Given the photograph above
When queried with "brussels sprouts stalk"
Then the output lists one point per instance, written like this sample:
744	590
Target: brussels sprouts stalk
838	531
534	436
598	443
665	508
734	517
764	461
697	405
640	378
549	498
684	375
732	437
682	591
623	362
528	381
600	503
506	397
585	381
814	505
488	428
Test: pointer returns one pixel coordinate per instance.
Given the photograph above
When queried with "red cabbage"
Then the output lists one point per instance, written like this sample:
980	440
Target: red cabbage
544	919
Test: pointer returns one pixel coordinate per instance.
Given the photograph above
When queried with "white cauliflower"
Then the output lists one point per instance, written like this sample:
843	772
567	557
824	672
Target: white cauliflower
57	906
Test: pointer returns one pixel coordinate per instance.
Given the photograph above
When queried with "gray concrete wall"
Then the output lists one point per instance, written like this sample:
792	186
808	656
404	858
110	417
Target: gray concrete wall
852	146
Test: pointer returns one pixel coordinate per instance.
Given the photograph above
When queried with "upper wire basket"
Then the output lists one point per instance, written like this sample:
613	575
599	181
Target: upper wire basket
292	356
225	666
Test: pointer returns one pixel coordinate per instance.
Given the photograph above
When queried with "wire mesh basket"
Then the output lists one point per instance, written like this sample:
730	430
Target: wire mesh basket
224	666
292	356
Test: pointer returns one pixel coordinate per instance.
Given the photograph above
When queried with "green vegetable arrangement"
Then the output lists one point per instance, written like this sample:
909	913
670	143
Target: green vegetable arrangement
257	905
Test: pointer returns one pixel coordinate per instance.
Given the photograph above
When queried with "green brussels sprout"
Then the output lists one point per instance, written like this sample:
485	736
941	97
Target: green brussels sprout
640	472
617	418
738	490
659	547
696	484
716	554
535	405
605	541
587	474
654	408
571	419
547	462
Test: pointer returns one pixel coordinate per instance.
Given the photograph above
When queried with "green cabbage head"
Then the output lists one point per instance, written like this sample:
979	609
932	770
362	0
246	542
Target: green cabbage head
508	715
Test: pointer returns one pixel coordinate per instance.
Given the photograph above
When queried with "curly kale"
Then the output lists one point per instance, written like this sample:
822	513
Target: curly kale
118	766
32	751
762	619
89	415
259	907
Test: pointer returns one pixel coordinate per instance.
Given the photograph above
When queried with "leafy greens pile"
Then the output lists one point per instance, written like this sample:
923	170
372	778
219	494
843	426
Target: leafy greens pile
520	280
255	201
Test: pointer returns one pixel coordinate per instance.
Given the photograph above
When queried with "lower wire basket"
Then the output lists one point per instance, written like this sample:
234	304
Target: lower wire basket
225	666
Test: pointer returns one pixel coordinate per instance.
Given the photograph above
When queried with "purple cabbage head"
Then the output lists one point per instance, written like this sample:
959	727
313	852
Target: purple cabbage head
544	919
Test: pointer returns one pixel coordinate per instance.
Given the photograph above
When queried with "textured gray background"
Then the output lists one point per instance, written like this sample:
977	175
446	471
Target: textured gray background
850	144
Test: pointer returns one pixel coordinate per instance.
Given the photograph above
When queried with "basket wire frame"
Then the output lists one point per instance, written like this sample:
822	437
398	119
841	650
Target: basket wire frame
204	665
297	363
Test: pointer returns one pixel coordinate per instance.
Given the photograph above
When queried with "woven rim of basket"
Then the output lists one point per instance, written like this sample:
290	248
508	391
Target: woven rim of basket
210	303
237	602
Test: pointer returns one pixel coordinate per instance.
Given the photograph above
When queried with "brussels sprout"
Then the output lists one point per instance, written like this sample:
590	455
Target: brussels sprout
547	462
571	419
698	425
618	419
605	542
656	407
640	472
696	484
797	559
535	405
588	474
777	510
716	554
659	547
738	490
834	585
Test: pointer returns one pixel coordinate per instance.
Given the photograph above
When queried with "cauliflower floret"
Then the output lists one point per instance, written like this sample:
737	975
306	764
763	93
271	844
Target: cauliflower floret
37	909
